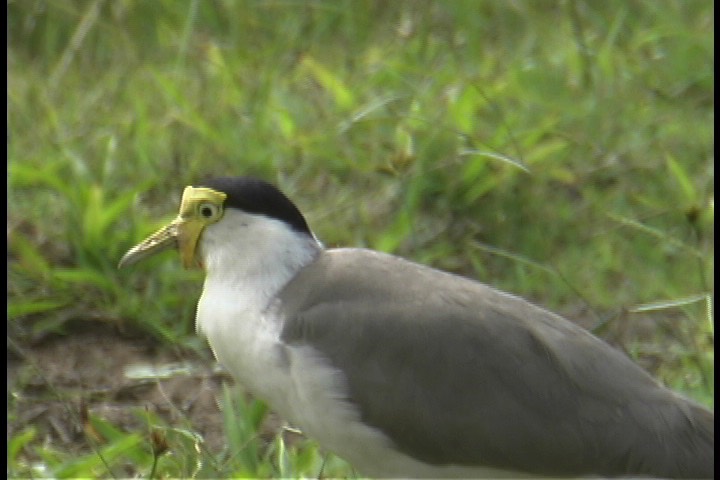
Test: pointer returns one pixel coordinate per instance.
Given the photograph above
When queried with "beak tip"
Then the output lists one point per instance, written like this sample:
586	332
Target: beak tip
159	241
125	261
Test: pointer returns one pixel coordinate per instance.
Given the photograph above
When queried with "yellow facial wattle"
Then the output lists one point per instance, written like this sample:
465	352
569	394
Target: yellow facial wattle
199	208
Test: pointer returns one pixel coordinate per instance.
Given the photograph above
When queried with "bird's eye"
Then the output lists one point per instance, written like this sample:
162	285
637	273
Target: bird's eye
207	210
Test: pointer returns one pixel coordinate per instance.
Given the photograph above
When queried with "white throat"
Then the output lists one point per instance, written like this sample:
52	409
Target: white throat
253	256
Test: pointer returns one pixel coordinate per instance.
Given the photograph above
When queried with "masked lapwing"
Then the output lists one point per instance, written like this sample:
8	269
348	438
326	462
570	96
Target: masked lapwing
408	371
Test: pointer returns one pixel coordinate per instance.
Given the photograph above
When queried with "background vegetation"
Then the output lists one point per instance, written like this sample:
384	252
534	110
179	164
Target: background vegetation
561	150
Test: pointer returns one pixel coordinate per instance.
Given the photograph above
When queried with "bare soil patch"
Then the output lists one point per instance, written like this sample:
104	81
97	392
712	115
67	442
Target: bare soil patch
54	383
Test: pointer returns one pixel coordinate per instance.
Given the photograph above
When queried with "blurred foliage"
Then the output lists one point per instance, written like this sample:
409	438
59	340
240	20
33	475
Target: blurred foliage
559	150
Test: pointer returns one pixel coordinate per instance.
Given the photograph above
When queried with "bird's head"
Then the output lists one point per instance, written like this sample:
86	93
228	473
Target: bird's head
224	211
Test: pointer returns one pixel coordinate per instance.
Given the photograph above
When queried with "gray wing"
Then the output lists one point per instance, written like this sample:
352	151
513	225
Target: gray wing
455	372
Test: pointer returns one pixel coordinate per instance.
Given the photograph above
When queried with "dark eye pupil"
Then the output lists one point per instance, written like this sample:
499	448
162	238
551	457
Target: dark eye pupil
206	212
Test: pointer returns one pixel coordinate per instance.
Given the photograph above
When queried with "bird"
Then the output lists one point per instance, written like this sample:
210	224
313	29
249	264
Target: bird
408	371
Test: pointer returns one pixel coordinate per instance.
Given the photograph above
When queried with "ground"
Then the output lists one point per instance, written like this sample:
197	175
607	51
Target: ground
97	368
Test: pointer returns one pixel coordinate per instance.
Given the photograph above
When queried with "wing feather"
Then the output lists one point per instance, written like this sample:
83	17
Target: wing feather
455	372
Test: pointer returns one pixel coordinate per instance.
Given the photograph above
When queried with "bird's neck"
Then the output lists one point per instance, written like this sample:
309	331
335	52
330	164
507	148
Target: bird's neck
245	270
253	272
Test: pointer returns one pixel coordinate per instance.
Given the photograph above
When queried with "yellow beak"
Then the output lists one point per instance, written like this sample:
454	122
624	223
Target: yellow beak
199	207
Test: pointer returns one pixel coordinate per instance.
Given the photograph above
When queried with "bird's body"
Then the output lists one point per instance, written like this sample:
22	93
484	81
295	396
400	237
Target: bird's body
248	324
407	371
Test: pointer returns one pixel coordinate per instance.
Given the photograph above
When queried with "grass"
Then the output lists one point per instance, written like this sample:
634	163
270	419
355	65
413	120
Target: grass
559	150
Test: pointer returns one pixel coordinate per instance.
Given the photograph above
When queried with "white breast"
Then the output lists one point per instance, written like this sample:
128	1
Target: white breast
295	381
